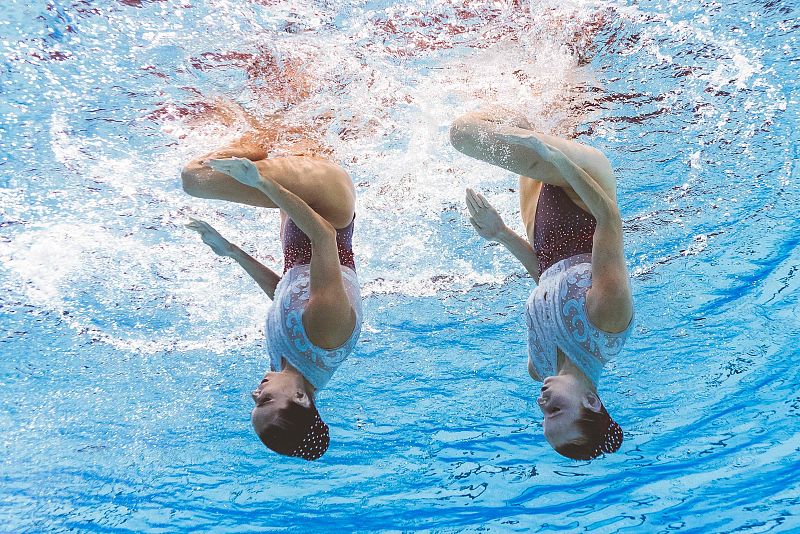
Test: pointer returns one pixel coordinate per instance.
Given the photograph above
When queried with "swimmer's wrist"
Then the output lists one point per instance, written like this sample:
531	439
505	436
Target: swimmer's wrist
231	251
504	235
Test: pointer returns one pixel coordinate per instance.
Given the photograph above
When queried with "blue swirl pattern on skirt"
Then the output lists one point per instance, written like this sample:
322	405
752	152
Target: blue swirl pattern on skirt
286	336
556	318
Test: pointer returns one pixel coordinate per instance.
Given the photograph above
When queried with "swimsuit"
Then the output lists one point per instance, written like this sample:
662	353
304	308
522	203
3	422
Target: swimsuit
297	245
286	336
556	310
562	229
557	319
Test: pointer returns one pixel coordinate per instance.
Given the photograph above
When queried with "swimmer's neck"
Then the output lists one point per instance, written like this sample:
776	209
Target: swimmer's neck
564	366
291	370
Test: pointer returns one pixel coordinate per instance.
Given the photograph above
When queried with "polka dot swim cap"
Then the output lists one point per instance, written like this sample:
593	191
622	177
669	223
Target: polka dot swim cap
612	440
315	443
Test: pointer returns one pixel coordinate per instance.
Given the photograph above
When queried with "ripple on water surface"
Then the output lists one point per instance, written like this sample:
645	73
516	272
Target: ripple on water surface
128	349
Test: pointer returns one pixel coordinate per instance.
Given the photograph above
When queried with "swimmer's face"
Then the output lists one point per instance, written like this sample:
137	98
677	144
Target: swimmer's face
274	394
562	399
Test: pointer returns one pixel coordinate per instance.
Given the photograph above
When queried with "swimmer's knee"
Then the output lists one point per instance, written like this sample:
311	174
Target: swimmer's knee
458	136
190	178
598	163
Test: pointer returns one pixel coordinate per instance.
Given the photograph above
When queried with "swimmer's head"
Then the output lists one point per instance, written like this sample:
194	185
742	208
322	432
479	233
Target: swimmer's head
576	424
286	419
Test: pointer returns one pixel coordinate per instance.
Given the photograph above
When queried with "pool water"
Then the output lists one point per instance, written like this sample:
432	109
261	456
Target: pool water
129	350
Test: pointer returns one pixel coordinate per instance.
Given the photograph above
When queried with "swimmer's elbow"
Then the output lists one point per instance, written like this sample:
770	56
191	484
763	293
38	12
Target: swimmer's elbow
323	238
320	232
324	233
609	216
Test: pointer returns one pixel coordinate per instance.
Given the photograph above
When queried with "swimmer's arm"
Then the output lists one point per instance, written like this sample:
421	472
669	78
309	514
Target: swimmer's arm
522	250
609	302
266	278
316	227
329	316
326	285
326	274
602	206
489	225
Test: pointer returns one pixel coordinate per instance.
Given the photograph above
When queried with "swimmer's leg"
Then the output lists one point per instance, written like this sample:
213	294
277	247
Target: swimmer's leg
502	140
321	184
201	181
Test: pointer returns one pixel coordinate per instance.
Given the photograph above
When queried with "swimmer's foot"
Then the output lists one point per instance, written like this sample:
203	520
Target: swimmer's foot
532	141
257	140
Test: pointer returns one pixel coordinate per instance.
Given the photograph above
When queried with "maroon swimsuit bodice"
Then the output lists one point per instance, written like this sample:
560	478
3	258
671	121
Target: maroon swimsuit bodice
562	229
297	245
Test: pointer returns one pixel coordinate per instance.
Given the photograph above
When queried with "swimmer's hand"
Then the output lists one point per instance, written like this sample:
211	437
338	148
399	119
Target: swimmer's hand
240	169
489	225
212	238
484	218
530	140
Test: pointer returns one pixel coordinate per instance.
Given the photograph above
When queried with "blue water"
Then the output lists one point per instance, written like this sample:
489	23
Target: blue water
128	349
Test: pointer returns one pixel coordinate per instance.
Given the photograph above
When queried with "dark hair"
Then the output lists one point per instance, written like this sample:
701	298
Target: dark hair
600	434
294	427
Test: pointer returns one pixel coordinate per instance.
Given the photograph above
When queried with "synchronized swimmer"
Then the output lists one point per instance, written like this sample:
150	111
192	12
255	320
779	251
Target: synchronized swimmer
315	319
578	316
581	311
